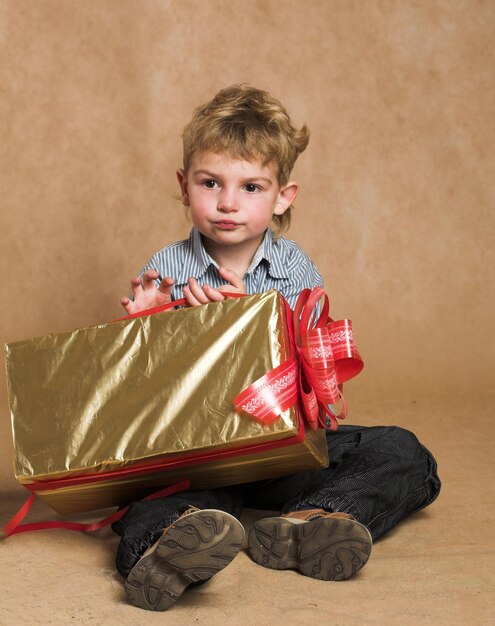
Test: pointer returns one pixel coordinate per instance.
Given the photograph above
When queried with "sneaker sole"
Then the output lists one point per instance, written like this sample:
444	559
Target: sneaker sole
325	548
193	549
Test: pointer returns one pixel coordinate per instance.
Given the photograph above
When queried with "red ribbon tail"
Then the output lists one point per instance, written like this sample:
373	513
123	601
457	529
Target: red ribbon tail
14	527
12	524
310	407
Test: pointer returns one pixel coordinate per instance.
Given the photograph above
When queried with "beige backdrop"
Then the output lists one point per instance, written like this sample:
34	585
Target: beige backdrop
396	206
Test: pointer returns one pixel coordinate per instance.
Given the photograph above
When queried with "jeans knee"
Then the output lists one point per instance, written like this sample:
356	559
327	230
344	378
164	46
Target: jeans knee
411	448
406	441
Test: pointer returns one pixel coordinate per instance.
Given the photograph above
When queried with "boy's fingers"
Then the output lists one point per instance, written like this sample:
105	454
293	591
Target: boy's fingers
128	305
233	277
166	285
197	291
149	278
136	285
213	294
190	299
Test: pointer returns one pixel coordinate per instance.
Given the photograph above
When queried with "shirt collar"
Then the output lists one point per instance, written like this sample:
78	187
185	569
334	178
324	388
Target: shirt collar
270	252
200	259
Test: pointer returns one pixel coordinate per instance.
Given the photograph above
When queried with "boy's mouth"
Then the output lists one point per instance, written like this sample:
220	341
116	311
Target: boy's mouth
226	224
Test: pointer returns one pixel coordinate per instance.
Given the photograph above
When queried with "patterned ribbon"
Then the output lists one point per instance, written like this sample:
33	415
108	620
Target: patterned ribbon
325	358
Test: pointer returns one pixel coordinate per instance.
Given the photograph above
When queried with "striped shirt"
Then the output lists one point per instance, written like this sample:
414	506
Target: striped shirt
278	263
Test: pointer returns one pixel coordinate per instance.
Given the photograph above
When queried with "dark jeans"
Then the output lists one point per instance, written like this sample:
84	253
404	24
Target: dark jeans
379	474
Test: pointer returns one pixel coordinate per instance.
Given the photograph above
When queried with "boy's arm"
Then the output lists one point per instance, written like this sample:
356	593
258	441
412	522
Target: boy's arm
145	294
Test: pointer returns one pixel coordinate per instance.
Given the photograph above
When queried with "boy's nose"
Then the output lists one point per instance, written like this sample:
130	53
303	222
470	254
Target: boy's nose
227	202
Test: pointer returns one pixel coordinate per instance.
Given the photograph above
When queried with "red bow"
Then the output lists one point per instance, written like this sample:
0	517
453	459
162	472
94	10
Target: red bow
326	358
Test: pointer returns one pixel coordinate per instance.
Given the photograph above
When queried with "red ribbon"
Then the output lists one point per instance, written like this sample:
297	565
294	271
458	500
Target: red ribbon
14	527
326	358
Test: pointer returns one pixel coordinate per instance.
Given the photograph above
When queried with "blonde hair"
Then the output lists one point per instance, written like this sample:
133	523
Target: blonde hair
247	123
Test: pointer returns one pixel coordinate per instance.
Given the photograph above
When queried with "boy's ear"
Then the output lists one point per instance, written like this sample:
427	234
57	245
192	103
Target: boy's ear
286	197
182	178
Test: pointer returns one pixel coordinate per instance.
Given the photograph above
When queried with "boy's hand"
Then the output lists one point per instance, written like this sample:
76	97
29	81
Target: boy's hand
146	295
196	294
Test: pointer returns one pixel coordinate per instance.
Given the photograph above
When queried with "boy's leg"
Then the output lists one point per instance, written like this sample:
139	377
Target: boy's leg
377	475
169	543
145	521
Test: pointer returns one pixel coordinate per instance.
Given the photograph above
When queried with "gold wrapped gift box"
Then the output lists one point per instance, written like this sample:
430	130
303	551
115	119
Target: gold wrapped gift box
105	414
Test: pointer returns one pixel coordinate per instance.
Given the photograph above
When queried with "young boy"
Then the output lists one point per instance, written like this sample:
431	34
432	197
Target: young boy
239	151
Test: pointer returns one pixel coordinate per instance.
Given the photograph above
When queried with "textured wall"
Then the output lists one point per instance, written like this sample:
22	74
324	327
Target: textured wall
396	206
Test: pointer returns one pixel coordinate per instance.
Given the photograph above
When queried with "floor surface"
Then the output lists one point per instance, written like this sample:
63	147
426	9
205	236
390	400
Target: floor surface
434	568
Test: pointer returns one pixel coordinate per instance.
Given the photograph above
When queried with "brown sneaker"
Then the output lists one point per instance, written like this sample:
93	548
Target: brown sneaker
197	546
327	546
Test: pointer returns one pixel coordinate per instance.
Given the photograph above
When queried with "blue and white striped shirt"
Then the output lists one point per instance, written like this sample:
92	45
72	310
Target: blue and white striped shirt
278	263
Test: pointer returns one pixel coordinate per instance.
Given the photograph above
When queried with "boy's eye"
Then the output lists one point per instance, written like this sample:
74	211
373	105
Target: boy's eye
251	187
209	184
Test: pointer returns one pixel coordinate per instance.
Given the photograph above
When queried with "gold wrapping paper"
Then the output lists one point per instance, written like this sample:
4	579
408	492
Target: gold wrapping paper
307	455
110	396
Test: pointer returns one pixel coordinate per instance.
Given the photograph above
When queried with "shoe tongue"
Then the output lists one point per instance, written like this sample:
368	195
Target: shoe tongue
306	514
191	509
311	514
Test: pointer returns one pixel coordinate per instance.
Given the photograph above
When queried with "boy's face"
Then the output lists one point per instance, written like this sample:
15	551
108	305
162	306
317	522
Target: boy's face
232	201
